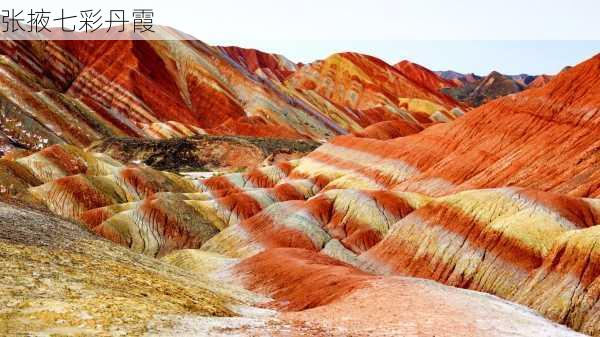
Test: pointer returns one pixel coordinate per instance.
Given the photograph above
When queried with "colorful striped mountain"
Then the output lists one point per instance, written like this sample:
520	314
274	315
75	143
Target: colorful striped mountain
388	209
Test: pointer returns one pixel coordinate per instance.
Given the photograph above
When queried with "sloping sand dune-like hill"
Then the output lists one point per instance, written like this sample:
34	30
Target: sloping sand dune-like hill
520	140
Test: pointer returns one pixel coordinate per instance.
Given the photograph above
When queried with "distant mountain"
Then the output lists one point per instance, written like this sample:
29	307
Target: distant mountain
540	81
475	90
458	78
524	79
449	74
486	89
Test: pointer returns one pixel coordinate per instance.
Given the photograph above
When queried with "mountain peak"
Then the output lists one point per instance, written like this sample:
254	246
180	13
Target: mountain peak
495	73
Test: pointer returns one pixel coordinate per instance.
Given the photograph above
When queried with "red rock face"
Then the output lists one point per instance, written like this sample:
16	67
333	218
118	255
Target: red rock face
424	76
263	64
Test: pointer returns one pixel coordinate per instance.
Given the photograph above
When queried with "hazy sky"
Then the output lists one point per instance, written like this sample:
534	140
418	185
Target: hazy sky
305	30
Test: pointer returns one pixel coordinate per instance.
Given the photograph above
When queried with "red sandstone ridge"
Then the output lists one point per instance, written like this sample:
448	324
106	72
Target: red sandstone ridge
540	81
389	129
261	63
424	76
